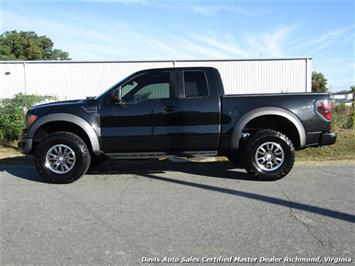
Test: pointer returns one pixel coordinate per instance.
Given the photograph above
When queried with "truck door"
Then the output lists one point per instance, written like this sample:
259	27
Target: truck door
147	105
198	111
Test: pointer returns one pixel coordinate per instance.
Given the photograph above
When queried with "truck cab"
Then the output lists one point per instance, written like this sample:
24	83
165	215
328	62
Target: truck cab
162	110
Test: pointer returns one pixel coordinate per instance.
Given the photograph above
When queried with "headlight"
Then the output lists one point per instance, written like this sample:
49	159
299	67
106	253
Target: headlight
30	119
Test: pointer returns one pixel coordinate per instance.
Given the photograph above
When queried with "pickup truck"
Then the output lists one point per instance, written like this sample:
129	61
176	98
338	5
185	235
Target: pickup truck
176	111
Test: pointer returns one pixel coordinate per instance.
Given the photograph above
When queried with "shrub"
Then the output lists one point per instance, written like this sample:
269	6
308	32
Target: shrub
12	114
342	117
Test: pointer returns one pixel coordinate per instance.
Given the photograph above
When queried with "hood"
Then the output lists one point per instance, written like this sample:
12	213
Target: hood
57	104
61	106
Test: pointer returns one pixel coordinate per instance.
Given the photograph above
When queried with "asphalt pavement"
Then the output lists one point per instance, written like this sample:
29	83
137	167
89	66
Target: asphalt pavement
129	213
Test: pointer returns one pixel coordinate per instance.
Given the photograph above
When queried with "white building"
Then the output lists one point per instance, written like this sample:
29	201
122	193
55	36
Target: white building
78	79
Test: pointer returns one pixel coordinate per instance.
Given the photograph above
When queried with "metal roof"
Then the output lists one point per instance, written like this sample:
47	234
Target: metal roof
147	61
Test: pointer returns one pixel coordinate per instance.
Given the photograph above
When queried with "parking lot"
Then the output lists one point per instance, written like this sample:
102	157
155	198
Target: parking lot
125	213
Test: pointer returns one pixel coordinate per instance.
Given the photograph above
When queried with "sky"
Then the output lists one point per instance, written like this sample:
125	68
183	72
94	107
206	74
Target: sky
196	29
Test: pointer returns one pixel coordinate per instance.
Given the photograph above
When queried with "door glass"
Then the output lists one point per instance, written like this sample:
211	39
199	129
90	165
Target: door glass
128	87
195	84
147	86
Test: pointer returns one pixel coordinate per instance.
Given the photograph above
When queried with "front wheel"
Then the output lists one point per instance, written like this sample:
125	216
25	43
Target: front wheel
62	157
269	155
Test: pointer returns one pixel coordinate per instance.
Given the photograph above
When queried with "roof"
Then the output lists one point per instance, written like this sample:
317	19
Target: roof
150	61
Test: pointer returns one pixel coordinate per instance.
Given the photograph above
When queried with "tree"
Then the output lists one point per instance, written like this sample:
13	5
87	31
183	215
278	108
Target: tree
319	82
27	45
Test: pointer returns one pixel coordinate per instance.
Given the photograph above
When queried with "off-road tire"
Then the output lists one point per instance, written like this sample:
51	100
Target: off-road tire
73	141
251	146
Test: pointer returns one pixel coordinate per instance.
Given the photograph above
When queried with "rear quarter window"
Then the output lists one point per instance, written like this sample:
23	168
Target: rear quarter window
195	84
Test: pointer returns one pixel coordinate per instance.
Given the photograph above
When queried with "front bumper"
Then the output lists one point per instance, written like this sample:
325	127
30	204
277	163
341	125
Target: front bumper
25	145
328	138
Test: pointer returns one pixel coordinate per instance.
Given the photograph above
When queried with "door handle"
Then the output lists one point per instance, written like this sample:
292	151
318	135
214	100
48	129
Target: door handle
169	108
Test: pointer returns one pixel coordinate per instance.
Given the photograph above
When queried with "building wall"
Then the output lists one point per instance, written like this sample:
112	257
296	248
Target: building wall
72	80
12	79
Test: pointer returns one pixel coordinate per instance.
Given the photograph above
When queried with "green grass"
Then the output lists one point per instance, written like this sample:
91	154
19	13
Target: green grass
343	149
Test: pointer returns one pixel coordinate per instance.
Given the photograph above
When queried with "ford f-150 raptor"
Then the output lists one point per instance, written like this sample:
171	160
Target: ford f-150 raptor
176	111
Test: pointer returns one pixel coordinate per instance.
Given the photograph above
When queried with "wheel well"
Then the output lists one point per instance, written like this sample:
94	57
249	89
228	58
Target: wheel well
56	126
275	122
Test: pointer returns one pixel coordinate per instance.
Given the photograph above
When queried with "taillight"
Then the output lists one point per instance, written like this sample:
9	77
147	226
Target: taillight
325	109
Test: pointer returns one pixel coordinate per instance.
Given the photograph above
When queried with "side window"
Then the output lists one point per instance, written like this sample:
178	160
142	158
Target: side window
147	86
128	87
195	84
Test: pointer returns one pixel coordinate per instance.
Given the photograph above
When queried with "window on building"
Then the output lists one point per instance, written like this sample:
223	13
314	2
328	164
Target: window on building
195	84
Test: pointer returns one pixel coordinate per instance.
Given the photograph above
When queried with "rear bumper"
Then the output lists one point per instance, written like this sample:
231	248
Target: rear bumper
25	145
328	138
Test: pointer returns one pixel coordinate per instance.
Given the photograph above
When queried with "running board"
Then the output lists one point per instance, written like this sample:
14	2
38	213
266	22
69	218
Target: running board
150	155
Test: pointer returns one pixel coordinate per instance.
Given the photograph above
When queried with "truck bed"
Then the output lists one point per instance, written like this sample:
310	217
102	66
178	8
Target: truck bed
235	107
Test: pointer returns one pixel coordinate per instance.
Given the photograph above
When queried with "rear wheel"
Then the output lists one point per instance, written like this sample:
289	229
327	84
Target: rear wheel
62	157
268	155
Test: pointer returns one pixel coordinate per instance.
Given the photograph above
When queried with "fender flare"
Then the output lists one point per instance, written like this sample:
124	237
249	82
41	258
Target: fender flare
243	121
64	117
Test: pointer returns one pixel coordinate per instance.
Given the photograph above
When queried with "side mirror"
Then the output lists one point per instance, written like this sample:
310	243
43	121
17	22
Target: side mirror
117	96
